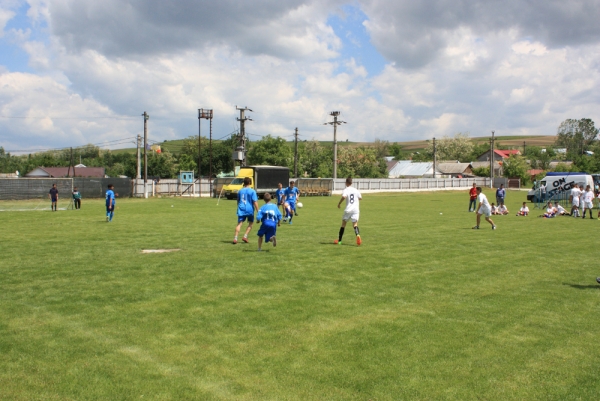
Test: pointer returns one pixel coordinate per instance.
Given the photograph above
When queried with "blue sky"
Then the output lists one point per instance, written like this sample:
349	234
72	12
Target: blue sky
82	72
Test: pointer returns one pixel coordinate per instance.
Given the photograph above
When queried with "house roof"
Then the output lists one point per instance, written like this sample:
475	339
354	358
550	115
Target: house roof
507	152
57	172
485	164
408	168
391	164
453	168
534	171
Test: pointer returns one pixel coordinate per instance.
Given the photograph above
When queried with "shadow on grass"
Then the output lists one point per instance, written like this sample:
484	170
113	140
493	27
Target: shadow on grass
584	287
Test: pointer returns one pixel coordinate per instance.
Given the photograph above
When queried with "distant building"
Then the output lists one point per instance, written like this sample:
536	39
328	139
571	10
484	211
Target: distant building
408	169
455	169
486	164
499	155
63	172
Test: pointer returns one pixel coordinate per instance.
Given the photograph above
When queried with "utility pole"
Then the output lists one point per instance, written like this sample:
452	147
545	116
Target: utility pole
242	119
523	148
335	123
139	160
146	117
434	157
296	153
492	161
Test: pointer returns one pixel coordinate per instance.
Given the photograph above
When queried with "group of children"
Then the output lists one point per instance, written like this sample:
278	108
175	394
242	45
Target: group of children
270	217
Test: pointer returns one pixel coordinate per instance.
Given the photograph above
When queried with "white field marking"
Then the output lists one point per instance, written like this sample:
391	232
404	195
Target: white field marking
160	250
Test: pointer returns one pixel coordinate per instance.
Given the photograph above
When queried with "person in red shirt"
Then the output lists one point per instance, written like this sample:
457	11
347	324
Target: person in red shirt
473	197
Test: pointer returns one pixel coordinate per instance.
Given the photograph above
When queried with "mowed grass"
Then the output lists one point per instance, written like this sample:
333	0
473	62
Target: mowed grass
425	309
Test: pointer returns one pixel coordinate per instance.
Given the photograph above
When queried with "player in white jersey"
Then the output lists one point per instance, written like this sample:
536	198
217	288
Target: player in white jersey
574	198
483	208
587	200
351	212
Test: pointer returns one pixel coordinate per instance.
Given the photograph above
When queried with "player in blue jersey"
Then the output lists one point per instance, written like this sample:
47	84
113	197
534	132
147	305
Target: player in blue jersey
280	194
269	216
111	201
291	196
247	204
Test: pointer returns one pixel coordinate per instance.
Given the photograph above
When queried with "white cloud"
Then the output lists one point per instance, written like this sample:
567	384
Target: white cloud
452	68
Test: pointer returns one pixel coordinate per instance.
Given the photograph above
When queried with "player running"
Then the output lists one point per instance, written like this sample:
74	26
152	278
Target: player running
351	212
111	201
280	194
247	204
483	208
269	216
291	196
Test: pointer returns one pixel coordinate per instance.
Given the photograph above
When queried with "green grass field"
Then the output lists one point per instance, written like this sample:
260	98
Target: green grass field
425	309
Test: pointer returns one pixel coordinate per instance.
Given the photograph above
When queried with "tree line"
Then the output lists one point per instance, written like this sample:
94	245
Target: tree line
579	139
314	158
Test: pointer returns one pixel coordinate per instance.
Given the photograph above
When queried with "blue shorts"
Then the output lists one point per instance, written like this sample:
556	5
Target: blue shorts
250	218
54	200
292	205
267	231
108	209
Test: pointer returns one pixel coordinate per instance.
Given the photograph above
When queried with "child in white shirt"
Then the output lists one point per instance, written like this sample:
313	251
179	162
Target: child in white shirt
524	211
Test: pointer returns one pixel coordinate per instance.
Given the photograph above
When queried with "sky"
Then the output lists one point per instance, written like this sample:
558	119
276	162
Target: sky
74	72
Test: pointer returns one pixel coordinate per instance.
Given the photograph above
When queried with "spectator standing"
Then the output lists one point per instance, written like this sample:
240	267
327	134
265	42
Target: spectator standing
500	195
473	198
76	198
53	195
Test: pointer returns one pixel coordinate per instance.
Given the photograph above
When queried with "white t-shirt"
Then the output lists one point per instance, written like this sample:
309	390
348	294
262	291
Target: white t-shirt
588	196
352	199
575	192
483	201
524	209
560	209
502	209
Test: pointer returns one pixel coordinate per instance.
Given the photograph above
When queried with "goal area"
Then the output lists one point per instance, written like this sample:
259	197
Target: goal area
26	194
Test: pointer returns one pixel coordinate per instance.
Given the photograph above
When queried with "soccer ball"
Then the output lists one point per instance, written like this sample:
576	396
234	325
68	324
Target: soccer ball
299	205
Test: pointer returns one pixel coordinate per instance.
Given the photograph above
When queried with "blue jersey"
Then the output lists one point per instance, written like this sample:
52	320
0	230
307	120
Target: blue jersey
246	198
291	194
269	215
279	194
110	197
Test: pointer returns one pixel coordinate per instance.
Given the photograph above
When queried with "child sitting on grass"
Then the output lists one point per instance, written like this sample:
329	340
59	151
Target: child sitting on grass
524	211
270	217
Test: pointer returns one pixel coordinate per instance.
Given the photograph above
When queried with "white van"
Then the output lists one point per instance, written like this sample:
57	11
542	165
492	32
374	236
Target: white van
555	185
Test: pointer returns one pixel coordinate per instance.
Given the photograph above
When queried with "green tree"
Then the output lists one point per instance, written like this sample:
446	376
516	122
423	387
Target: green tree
271	151
395	150
576	135
481	171
314	159
515	167
458	147
161	165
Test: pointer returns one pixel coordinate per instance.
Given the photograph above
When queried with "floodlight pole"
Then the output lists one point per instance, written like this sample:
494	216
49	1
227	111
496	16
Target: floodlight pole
207	115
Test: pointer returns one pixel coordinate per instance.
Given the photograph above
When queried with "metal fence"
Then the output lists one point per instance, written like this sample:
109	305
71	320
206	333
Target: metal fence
310	186
172	187
37	188
406	184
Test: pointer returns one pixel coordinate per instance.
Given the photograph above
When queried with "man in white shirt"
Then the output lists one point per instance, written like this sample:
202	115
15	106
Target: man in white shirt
559	210
574	198
587	201
351	212
483	208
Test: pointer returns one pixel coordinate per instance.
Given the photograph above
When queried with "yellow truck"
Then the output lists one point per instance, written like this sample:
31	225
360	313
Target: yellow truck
264	179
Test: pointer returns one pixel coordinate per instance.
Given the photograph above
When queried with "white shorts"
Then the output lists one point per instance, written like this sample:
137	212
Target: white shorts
350	216
486	211
576	202
588	205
